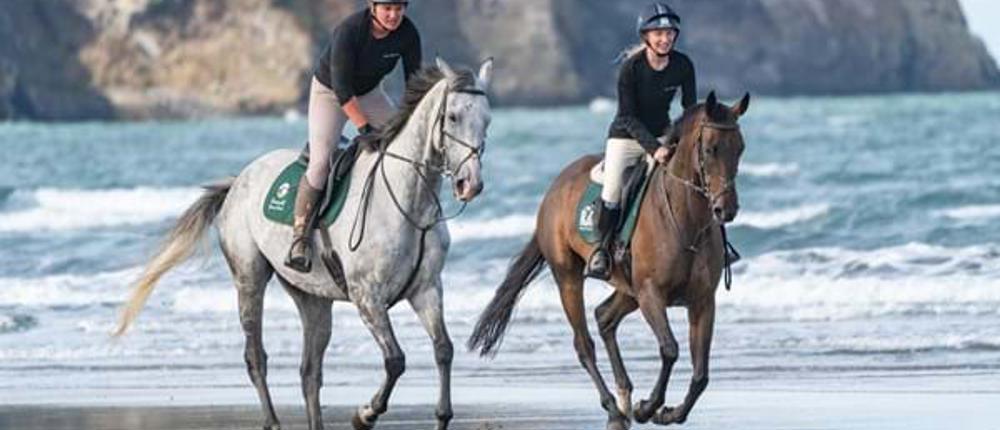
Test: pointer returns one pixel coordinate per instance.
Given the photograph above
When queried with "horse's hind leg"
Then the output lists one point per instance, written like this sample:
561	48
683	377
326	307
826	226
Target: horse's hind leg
702	320
251	274
427	304
609	314
571	293
376	317
654	310
316	321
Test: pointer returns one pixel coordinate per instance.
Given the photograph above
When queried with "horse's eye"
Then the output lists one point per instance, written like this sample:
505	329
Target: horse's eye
452	117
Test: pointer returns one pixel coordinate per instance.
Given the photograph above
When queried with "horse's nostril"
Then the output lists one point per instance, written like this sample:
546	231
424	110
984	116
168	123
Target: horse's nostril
717	211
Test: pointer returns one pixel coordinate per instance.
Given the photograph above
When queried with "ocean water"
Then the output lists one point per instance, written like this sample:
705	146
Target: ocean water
869	229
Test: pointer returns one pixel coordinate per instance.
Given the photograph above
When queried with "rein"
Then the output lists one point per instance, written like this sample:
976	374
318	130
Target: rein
358	230
702	189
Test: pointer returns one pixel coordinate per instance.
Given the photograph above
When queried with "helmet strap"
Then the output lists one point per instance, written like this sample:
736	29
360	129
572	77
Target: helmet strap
376	20
653	50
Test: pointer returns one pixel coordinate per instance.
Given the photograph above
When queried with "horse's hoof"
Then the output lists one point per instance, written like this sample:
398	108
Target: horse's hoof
643	411
668	415
443	418
618	424
274	426
360	424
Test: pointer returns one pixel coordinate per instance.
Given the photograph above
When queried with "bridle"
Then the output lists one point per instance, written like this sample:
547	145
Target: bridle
420	167
703	189
474	150
703	185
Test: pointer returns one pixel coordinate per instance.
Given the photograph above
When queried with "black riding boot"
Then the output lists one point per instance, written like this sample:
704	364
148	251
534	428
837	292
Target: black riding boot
600	263
300	254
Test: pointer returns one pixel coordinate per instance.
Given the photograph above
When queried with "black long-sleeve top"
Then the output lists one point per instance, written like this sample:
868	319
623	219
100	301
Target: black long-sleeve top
645	94
355	61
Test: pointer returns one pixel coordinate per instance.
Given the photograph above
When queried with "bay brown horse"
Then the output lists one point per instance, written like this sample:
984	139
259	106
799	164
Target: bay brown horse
677	260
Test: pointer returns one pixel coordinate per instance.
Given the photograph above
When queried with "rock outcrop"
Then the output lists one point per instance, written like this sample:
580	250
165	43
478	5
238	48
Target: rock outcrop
76	59
158	58
41	76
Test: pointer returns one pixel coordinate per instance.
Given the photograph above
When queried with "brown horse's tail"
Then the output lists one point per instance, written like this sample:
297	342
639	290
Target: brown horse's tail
178	246
493	322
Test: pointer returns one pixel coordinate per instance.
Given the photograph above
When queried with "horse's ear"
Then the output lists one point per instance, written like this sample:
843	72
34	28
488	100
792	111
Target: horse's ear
711	103
446	70
486	73
742	106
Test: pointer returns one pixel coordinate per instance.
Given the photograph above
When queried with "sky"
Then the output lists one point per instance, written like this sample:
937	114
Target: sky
984	19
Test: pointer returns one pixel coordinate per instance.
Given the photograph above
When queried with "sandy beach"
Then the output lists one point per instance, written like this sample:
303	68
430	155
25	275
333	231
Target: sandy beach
526	408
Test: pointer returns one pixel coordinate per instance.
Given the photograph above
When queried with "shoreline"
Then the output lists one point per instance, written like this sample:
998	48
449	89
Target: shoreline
552	408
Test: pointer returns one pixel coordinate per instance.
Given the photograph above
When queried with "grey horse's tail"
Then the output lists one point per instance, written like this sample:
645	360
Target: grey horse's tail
177	247
492	324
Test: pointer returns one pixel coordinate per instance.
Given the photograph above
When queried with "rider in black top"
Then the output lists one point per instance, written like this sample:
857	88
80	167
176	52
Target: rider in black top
645	94
355	62
363	49
647	83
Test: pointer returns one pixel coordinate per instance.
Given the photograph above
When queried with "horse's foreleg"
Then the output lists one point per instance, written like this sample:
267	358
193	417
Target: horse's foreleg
376	318
316	318
571	294
251	303
655	312
609	315
702	320
427	305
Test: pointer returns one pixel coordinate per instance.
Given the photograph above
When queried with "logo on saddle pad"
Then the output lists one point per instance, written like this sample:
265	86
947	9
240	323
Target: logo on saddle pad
278	202
586	221
283	190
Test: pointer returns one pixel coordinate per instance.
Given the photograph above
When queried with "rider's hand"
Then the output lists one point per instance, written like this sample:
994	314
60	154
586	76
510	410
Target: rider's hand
663	154
367	136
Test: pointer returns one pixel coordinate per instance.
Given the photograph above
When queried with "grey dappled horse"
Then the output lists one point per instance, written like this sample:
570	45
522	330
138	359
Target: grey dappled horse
439	131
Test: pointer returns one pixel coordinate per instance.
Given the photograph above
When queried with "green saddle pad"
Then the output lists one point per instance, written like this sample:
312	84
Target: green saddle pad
279	205
586	208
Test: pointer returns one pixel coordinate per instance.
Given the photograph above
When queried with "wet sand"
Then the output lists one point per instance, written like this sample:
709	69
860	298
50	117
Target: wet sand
557	409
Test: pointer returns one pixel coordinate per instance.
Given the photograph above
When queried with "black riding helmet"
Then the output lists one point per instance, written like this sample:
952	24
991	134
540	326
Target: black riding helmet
657	16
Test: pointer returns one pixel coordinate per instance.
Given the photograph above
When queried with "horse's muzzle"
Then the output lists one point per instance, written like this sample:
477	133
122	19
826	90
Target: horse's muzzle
466	190
724	213
468	184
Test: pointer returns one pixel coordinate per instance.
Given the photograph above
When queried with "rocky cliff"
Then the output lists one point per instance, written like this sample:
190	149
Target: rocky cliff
74	59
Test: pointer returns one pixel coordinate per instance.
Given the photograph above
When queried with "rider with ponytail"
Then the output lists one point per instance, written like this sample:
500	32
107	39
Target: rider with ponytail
346	86
648	80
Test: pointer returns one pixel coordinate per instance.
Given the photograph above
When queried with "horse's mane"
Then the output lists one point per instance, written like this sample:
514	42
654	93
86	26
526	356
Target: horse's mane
416	88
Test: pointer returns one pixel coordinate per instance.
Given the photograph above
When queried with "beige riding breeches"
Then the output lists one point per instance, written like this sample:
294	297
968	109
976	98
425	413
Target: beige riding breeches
619	155
326	123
